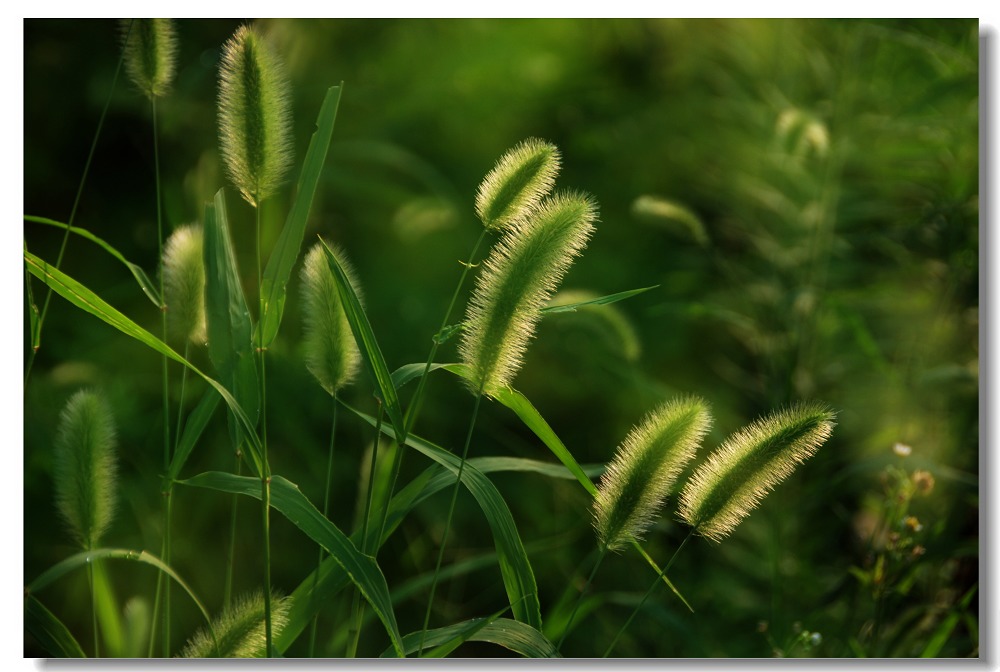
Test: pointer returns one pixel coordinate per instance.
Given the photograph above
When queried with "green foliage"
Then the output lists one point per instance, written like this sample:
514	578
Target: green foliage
184	283
239	629
523	176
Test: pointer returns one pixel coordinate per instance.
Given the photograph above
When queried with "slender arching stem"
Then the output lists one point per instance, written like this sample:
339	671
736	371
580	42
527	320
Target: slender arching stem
579	600
326	514
649	592
265	477
451	512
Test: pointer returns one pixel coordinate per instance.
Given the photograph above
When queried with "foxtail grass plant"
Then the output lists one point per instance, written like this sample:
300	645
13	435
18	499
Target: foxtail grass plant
734	479
331	353
518	278
85	475
255	124
150	57
638	480
240	629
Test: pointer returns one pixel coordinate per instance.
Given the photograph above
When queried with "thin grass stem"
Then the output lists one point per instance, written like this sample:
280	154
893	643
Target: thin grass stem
451	512
656	581
265	477
93	607
76	203
326	509
579	600
414	408
357	603
227	593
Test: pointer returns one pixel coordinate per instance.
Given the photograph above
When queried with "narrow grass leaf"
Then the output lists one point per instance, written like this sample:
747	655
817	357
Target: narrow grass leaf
286	249
941	636
80	560
145	284
228	319
518	576
371	355
725	488
195	424
287	499
34	316
86	300
50	633
514	636
599	301
448	638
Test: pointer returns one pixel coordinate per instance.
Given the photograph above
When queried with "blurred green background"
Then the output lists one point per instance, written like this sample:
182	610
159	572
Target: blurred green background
804	193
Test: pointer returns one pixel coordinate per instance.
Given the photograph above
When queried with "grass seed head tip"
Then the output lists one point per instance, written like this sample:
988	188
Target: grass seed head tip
521	178
184	283
150	54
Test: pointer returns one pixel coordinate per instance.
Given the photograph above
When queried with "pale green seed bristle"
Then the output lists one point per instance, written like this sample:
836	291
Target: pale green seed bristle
518	277
522	177
85	470
150	54
736	477
254	116
644	469
240	629
184	283
331	352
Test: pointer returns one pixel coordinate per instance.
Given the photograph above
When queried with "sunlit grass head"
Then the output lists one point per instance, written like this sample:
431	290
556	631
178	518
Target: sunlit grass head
520	274
150	54
330	349
644	469
254	115
184	283
85	466
523	176
738	475
239	630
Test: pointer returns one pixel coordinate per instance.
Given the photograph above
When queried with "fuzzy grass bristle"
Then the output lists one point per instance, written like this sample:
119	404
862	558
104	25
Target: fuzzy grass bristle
331	352
739	474
86	467
255	116
184	283
240	629
644	469
518	277
150	54
522	177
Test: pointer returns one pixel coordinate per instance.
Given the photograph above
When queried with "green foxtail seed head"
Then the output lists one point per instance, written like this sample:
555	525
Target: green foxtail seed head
150	54
184	283
518	277
240	629
331	352
732	481
522	177
254	116
85	466
649	460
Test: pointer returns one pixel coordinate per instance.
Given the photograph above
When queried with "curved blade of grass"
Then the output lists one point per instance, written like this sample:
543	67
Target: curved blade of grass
512	635
34	317
518	576
599	301
322	585
50	633
371	355
83	559
89	302
145	284
197	420
287	499
286	249
227	317
449	638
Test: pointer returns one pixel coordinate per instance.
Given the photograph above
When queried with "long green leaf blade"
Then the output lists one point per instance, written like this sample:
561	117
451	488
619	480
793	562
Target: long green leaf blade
50	633
196	422
599	301
89	302
230	332
287	499
512	635
34	316
371	355
145	284
286	250
518	576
